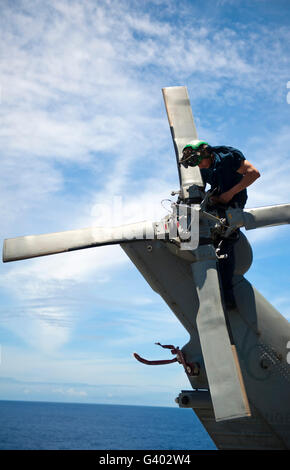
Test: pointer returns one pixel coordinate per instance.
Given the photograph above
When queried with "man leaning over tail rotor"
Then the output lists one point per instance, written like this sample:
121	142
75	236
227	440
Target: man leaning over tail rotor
229	174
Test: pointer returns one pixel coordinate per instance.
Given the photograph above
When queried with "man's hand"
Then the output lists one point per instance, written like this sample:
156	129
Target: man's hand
222	198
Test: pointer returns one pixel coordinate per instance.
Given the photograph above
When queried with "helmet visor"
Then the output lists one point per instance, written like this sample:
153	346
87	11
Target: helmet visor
191	157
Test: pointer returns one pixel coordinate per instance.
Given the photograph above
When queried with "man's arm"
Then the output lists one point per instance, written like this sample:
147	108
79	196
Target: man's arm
250	174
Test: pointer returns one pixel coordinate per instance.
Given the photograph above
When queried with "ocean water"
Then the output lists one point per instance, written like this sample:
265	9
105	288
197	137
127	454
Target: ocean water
67	426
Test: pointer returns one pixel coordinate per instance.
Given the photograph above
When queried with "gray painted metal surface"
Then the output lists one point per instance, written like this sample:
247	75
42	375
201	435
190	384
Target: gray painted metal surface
226	384
183	130
33	246
267	216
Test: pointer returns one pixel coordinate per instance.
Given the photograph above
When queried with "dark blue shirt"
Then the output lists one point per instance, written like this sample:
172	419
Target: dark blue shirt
222	174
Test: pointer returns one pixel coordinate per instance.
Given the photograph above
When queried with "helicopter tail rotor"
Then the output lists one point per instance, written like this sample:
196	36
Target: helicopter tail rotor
59	242
266	216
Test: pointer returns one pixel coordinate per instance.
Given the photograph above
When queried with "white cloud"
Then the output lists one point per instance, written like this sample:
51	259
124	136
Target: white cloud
68	78
70	392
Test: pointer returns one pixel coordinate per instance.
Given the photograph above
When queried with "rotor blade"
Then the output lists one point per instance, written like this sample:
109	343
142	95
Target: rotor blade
220	356
266	216
183	130
41	245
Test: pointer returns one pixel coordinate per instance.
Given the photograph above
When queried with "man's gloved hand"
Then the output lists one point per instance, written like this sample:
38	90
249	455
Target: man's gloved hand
222	198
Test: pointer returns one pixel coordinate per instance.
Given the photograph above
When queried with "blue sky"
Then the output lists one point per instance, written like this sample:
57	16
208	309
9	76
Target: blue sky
83	127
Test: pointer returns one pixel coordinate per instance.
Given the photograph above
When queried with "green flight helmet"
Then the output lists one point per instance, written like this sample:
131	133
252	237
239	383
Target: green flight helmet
192	156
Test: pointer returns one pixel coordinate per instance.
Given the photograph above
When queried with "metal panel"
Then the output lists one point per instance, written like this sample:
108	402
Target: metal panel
221	362
261	335
169	276
253	433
